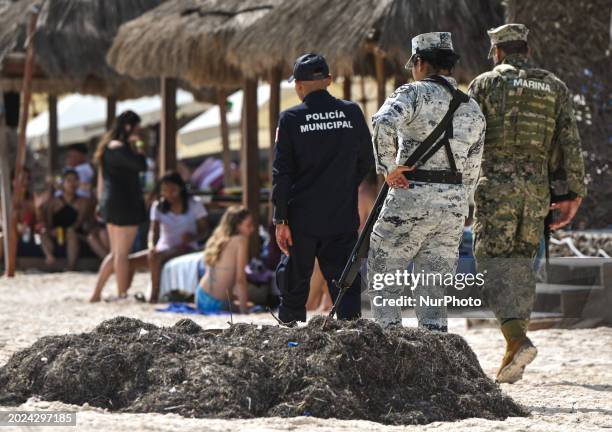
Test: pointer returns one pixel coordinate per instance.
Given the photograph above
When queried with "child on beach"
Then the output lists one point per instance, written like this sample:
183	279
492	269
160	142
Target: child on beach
226	256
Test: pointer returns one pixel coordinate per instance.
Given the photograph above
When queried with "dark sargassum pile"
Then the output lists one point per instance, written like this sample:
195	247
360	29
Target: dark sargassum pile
348	371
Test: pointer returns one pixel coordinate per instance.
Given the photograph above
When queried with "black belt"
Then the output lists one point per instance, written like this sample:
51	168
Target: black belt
442	176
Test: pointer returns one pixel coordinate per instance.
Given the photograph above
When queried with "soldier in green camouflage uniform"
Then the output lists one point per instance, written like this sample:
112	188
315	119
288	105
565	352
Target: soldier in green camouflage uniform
531	135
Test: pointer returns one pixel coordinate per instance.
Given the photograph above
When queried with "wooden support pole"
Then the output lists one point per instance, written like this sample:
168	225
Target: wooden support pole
380	78
5	185
52	150
364	97
400	80
26	94
111	112
168	126
225	144
346	88
249	163
379	66
274	112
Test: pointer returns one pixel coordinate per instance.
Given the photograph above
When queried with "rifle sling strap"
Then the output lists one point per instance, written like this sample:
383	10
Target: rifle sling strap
429	146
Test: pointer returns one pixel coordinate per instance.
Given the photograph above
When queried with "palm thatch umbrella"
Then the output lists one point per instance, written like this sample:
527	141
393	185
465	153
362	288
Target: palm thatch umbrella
12	34
70	45
352	34
467	20
186	39
339	30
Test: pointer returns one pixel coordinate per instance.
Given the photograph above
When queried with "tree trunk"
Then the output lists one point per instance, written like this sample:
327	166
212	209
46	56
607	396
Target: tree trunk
21	147
53	147
5	186
111	112
250	159
168	126
380	78
346	88
225	144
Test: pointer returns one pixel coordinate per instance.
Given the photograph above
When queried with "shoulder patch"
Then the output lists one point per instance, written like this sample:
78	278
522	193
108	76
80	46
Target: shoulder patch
484	81
503	68
486	76
404	88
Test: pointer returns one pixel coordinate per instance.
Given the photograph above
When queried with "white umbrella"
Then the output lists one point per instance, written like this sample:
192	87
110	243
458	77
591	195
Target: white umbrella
81	118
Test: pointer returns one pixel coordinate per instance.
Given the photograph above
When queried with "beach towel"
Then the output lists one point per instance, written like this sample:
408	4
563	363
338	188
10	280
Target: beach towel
182	273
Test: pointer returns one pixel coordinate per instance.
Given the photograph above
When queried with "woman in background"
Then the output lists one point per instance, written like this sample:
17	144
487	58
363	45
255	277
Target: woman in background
226	256
120	160
29	215
64	216
178	222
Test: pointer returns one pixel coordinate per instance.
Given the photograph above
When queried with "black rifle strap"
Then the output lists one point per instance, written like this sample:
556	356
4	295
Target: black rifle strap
449	152
427	146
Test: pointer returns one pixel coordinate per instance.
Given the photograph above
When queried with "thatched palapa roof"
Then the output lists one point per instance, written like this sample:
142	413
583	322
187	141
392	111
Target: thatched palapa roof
343	30
467	20
12	25
186	39
70	45
338	30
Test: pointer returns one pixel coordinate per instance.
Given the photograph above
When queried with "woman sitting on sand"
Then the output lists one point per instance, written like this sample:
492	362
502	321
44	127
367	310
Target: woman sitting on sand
64	217
226	256
178	222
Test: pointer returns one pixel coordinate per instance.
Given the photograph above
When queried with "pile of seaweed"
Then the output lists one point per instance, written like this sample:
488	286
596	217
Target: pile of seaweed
349	370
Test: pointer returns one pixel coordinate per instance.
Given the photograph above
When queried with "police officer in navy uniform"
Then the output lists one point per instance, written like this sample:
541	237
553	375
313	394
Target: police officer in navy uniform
323	152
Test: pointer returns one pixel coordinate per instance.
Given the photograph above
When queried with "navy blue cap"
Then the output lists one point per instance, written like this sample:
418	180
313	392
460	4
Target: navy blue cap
309	67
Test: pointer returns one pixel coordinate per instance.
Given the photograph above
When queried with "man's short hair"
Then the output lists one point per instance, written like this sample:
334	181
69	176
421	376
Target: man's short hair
513	47
69	172
81	148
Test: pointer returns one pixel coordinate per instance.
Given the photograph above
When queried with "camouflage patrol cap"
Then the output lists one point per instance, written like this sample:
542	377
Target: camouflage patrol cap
429	42
507	33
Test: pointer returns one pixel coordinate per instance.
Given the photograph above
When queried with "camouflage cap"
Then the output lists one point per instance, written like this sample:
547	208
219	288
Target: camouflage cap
507	33
428	42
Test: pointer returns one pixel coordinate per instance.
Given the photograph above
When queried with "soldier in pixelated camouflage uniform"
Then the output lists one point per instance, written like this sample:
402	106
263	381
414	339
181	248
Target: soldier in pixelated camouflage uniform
531	138
422	221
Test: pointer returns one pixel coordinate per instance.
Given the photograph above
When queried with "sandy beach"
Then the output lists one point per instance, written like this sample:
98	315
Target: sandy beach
568	387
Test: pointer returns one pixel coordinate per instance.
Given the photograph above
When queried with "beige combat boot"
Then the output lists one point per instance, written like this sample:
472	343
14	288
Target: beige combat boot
519	352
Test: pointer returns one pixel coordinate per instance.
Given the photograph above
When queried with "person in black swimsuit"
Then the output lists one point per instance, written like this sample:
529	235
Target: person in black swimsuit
120	160
64	216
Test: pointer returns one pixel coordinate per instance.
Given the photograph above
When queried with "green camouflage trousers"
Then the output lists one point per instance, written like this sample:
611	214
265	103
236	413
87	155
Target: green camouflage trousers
508	227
